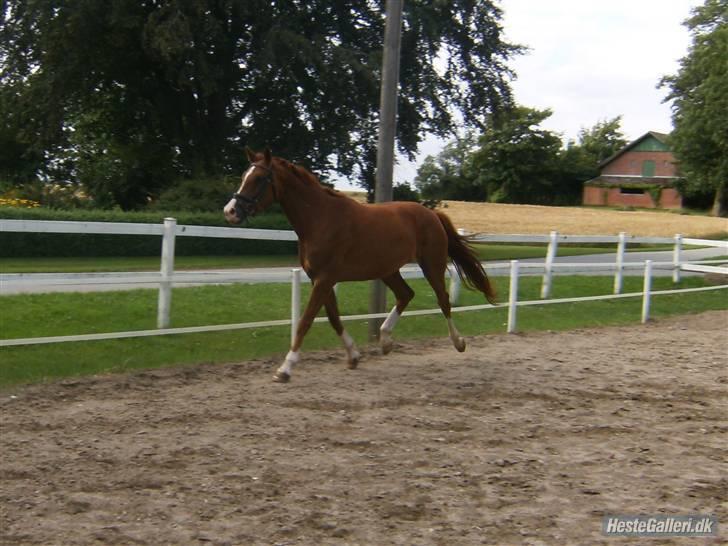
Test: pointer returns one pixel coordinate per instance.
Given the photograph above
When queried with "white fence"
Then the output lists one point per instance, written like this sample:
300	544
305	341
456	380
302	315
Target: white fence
166	278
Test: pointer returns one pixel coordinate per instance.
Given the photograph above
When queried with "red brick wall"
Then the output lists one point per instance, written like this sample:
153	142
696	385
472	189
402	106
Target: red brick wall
670	198
615	198
597	196
593	195
630	163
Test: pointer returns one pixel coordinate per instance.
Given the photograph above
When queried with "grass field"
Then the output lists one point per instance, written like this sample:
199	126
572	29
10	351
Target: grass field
66	314
496	252
500	218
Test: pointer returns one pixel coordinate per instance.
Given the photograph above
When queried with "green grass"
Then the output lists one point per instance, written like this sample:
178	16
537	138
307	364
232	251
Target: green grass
66	314
139	263
496	252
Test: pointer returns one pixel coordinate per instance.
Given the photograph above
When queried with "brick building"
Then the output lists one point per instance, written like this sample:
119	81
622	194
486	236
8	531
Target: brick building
642	174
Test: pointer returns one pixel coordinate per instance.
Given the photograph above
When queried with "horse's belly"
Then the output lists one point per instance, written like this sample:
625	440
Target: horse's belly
376	262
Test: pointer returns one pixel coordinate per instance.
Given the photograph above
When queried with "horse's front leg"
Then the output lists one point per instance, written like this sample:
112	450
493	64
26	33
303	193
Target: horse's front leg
318	297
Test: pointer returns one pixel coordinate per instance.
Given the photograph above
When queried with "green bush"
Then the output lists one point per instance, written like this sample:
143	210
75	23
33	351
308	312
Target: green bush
14	244
198	194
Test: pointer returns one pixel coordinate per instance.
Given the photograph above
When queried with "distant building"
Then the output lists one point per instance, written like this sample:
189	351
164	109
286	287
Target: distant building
642	174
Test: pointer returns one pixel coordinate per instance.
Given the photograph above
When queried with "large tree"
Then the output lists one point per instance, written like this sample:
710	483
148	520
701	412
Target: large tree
127	95
517	160
602	140
700	104
447	175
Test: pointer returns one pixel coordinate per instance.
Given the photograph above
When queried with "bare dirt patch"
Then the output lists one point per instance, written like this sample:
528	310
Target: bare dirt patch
499	218
525	439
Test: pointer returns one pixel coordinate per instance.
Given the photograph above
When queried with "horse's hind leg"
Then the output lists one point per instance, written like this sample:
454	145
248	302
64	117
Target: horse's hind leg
332	311
434	271
404	295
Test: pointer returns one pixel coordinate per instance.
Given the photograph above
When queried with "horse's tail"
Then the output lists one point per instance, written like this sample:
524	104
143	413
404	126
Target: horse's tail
465	261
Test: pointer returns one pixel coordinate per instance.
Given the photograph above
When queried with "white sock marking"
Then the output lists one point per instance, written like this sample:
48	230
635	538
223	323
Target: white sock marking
291	358
350	346
390	322
457	340
454	334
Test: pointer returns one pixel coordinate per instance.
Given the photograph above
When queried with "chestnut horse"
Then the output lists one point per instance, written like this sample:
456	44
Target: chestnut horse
342	240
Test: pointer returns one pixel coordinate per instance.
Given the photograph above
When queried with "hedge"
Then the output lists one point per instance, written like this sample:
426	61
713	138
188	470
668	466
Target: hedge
89	245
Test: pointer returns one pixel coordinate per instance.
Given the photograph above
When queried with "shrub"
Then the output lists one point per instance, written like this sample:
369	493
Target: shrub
197	195
13	244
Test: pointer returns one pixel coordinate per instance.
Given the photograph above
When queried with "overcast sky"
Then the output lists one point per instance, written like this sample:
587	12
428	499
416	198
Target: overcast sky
591	60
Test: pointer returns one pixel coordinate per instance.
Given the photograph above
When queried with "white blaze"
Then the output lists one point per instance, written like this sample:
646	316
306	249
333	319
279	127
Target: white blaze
229	209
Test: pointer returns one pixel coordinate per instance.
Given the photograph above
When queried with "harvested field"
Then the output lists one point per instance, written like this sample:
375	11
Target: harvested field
521	440
525	219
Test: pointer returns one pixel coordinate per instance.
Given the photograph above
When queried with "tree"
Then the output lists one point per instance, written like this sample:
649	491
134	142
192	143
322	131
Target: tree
517	161
446	175
602	140
148	91
700	104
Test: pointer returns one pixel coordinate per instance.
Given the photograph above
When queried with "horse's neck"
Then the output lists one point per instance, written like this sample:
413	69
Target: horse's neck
303	203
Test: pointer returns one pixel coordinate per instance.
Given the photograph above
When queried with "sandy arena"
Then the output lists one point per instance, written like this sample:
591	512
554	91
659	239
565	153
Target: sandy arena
522	439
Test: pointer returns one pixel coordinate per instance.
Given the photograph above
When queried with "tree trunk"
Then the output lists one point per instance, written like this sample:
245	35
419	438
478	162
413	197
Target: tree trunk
719	208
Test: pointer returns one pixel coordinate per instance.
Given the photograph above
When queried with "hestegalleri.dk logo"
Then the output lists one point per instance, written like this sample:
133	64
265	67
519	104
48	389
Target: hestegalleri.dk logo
660	526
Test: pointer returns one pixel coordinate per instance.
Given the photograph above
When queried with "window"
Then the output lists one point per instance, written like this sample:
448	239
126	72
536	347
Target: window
648	168
632	191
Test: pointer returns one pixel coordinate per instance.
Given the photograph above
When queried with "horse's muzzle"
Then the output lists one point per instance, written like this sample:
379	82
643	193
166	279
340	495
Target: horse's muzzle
237	212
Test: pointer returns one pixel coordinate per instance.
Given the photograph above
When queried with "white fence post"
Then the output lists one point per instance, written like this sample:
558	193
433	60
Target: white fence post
513	297
548	266
164	302
295	300
454	285
646	289
676	257
455	278
619	265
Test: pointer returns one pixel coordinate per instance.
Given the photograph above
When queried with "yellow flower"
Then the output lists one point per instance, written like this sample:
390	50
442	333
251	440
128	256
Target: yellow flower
18	203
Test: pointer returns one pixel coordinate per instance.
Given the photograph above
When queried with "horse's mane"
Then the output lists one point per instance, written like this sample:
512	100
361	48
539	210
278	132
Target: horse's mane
308	178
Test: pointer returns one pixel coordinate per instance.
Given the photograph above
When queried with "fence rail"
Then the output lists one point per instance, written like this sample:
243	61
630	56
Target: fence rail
166	278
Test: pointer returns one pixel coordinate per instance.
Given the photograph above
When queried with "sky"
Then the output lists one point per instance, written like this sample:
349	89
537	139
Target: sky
589	60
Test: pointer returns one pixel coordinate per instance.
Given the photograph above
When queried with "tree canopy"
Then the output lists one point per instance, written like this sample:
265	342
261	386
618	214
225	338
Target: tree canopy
603	140
700	104
126	96
448	175
515	160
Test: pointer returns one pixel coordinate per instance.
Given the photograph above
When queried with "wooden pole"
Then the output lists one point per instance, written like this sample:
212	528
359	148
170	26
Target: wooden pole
513	298
295	301
646	291
549	265
385	146
164	300
619	265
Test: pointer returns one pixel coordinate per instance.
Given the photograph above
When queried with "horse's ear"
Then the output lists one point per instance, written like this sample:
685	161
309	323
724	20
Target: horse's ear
268	155
250	154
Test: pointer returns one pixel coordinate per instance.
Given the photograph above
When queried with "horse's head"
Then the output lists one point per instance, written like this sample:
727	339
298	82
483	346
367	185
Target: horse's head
256	192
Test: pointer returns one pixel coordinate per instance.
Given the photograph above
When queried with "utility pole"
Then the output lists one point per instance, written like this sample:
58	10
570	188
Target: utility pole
387	130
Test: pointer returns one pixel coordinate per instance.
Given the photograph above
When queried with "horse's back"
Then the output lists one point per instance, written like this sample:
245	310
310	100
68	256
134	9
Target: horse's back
404	217
406	225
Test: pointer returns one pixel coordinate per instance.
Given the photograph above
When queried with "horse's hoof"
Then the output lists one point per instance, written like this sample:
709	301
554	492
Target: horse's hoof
460	345
387	346
353	362
281	377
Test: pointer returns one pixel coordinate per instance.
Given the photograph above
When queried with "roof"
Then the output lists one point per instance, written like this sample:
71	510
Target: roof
660	137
